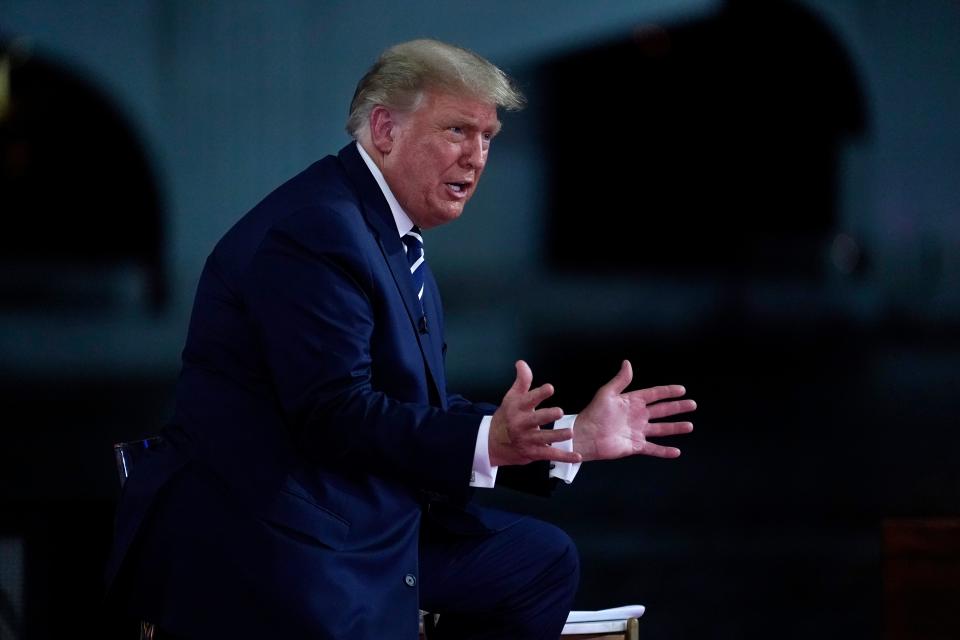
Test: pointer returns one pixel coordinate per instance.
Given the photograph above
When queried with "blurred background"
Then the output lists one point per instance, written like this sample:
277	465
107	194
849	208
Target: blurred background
756	199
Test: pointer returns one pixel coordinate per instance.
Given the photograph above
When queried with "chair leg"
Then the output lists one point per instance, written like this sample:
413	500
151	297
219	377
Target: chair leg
147	630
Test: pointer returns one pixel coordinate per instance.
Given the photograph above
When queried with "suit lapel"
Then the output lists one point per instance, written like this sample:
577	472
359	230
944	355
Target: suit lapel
377	212
435	336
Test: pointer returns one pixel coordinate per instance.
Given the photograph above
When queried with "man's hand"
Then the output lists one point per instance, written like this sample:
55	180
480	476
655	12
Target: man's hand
617	424
515	434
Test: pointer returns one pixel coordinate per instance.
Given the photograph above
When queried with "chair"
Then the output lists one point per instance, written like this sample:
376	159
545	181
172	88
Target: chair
622	629
621	623
126	455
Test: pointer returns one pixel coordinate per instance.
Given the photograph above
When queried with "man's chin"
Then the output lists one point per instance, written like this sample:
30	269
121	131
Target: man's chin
439	217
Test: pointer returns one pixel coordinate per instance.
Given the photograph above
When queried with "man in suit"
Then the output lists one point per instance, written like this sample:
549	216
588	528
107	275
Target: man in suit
316	478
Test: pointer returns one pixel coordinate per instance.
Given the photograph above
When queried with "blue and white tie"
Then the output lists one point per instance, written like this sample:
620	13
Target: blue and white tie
413	245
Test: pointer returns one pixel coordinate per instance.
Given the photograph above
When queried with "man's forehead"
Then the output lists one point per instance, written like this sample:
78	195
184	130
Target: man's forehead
467	107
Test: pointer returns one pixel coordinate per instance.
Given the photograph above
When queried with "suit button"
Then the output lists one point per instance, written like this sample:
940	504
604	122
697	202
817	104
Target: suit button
410	579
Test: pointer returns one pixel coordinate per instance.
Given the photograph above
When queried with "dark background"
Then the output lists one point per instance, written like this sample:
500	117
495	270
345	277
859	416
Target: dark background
757	200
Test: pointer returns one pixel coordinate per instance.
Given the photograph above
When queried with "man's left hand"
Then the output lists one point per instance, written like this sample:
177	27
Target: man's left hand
617	424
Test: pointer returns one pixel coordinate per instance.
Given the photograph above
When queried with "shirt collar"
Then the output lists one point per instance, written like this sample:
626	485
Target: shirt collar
400	217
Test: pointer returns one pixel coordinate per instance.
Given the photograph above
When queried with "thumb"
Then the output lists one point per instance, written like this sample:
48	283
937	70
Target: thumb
524	377
620	381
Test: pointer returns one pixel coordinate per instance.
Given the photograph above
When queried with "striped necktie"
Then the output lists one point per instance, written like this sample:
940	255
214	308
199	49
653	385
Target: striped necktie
413	245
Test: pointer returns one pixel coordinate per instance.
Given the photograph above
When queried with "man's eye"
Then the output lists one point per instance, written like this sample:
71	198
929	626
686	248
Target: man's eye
456	130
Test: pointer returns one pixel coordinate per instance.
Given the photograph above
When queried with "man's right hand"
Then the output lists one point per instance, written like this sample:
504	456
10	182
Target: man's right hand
515	434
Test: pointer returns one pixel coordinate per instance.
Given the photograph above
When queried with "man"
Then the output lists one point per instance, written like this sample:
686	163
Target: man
317	477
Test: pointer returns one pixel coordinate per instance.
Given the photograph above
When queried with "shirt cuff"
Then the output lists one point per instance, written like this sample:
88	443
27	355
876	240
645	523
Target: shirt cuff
483	475
566	471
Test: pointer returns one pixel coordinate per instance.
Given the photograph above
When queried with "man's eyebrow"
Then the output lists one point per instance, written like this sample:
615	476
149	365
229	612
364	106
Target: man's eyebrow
474	123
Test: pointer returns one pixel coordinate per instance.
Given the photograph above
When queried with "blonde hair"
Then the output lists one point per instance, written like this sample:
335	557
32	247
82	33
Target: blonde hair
403	72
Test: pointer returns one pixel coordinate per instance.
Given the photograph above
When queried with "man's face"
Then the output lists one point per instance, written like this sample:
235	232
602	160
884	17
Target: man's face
439	151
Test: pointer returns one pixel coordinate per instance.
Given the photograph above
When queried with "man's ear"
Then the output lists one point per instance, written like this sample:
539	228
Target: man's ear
383	129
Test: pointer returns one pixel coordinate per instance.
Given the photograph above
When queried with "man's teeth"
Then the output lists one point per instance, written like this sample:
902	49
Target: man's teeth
456	186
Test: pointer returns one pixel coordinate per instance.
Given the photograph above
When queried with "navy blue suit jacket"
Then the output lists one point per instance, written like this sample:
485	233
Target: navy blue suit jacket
312	431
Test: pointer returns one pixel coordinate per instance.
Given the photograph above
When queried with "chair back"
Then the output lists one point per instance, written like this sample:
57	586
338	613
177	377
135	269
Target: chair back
126	454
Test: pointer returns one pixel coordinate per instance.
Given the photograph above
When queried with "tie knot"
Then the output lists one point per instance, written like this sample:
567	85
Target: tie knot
413	240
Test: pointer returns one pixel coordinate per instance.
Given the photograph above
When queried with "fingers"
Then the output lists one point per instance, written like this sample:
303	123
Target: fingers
664	409
559	455
620	381
658	451
527	399
540	449
515	434
536	396
534	444
656	394
521	422
551	436
546	416
659	429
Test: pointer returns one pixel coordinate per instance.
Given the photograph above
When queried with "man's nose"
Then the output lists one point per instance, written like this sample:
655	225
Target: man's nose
474	154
